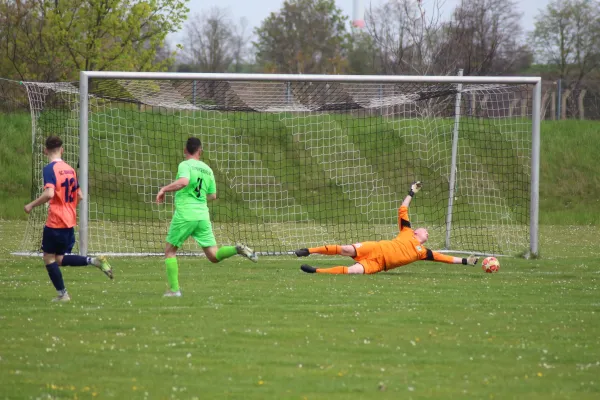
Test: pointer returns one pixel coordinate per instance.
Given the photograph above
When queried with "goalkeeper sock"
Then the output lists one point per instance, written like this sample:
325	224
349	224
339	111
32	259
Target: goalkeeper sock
328	249
333	270
75	261
172	273
226	252
56	276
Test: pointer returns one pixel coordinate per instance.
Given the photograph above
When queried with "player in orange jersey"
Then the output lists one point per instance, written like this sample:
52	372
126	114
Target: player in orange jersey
384	255
61	189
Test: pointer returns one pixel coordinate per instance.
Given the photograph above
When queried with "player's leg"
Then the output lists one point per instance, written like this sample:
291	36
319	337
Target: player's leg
172	269
328	249
179	231
100	262
353	269
205	238
73	260
217	254
51	244
367	254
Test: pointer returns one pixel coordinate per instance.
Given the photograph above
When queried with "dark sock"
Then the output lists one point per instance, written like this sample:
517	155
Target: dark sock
74	261
55	276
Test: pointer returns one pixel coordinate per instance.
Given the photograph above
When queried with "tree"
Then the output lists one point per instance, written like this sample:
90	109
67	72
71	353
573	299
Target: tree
363	56
239	45
50	40
484	38
305	37
407	38
208	41
214	43
27	53
567	35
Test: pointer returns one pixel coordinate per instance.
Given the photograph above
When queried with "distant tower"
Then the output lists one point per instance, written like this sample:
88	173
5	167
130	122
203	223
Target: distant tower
358	17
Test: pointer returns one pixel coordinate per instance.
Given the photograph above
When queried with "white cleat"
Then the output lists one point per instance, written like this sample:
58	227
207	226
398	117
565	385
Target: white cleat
170	293
247	252
62	298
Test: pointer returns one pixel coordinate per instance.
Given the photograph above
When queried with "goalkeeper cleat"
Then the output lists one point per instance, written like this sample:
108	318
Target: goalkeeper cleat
308	269
302	253
63	298
247	252
170	293
105	266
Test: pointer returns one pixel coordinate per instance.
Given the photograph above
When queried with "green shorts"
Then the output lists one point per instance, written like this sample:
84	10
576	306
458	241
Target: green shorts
201	231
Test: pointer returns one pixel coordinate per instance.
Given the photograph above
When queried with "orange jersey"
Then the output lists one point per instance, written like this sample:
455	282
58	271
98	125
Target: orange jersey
405	248
63	206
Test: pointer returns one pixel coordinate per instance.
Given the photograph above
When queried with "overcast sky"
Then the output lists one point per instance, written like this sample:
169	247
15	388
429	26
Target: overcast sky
257	10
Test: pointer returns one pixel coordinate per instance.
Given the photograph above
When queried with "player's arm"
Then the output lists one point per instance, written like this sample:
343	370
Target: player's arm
172	187
45	197
211	188
439	257
49	179
403	220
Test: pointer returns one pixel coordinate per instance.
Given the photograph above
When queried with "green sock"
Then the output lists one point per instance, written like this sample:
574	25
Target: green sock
226	252
172	273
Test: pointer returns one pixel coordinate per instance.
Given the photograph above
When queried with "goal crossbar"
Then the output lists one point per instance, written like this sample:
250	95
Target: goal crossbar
85	75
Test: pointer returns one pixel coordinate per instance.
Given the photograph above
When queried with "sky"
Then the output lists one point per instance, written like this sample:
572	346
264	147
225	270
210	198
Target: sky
257	10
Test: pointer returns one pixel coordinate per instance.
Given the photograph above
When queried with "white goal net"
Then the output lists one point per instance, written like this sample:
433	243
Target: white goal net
298	163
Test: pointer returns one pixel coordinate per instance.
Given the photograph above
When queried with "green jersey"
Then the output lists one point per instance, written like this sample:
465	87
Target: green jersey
190	202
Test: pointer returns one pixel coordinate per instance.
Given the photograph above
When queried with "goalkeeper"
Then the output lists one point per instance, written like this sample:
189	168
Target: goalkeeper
194	184
384	255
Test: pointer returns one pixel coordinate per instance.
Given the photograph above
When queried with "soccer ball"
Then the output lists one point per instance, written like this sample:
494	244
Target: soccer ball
490	264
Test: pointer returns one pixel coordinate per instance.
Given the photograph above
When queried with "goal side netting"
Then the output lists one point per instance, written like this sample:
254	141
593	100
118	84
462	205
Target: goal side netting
297	163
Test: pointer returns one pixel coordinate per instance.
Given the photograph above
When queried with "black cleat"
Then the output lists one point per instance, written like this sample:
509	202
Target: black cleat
308	269
302	253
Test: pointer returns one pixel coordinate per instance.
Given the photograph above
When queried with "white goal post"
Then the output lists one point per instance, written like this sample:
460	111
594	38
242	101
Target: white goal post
305	160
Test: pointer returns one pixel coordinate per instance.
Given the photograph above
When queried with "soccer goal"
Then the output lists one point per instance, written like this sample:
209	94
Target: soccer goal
300	160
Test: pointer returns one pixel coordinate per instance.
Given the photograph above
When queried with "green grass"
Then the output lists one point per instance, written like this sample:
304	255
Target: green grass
15	164
268	331
570	173
569	186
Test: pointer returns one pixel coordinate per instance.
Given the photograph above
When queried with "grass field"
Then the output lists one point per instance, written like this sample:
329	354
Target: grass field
268	331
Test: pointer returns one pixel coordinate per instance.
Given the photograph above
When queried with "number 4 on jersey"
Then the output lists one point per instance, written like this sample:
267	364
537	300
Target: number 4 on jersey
198	187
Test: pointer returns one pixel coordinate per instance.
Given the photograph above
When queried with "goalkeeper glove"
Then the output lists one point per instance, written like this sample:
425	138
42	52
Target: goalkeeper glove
414	188
471	260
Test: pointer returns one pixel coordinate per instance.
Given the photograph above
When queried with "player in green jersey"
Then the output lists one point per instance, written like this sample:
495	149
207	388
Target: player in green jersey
194	184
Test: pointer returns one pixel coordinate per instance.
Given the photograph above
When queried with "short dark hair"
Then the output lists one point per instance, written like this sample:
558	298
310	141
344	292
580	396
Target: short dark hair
53	142
193	145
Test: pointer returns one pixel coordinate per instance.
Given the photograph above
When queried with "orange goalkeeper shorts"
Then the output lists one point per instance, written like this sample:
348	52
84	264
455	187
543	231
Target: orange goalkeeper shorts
370	256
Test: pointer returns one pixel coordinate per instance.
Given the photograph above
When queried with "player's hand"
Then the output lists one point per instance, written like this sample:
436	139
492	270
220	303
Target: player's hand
160	196
415	187
472	260
28	208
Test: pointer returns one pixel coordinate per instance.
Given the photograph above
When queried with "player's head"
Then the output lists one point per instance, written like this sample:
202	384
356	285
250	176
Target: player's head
53	146
421	235
193	147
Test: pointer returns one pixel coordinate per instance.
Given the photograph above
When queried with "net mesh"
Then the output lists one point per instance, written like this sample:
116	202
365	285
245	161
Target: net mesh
297	164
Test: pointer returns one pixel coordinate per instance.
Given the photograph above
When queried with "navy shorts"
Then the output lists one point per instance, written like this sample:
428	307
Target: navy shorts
59	241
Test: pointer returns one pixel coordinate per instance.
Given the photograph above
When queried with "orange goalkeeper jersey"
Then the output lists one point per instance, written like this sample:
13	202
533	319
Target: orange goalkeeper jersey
405	248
